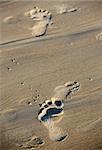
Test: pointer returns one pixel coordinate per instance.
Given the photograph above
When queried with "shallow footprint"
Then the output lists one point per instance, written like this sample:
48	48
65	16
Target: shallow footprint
63	91
33	143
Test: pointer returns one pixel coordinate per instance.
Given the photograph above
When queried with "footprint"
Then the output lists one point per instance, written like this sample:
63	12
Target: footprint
53	108
49	110
9	68
43	18
34	143
63	91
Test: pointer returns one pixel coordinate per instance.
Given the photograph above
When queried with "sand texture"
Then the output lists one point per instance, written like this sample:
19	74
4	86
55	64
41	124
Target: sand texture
61	43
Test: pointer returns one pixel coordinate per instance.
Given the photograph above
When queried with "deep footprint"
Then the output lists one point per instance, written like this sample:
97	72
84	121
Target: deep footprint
50	109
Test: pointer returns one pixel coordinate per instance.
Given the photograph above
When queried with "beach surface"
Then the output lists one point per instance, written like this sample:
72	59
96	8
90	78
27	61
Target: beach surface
31	67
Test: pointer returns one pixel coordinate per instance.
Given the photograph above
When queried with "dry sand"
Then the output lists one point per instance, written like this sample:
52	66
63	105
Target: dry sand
31	67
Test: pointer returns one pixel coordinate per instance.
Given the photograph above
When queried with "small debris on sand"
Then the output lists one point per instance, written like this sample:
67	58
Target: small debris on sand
22	83
29	103
9	68
13	60
38	95
34	98
17	63
90	79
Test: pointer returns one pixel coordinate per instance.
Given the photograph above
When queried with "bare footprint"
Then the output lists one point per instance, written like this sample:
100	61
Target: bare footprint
34	143
50	109
63	91
43	16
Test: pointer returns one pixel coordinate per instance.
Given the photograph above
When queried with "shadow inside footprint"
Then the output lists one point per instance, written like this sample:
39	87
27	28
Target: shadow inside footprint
51	112
62	138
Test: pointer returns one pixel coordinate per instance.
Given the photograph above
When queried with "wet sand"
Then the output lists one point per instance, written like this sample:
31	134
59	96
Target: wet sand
31	67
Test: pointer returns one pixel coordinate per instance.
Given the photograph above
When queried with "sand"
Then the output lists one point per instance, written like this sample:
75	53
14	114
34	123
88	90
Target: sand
31	67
